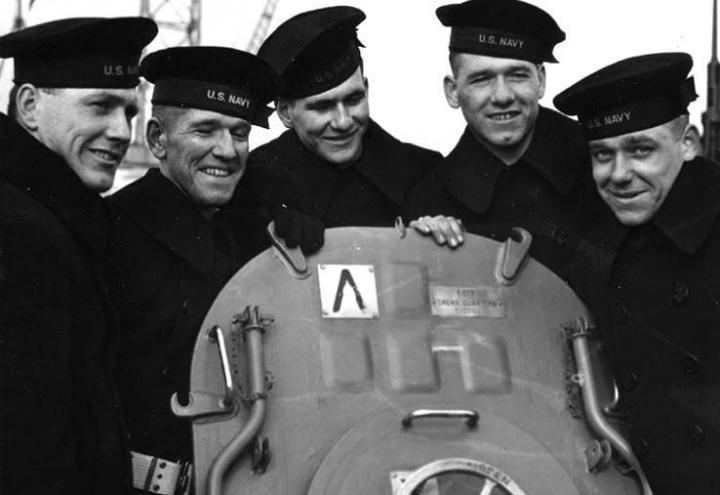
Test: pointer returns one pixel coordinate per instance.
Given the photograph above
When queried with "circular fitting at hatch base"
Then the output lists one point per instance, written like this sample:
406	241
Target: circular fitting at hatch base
458	476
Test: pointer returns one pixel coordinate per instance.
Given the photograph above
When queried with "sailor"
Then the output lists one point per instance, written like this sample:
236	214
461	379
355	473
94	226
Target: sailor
654	255
61	427
179	234
345	167
517	164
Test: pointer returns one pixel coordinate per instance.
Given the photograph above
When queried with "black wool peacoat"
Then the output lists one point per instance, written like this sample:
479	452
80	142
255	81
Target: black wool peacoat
372	191
655	290
548	192
166	264
61	427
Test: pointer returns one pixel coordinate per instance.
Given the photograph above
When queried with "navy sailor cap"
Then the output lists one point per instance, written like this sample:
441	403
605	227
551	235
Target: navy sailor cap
79	52
223	80
315	51
501	28
631	95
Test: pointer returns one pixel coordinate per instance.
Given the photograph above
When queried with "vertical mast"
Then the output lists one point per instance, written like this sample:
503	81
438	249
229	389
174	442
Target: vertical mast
711	116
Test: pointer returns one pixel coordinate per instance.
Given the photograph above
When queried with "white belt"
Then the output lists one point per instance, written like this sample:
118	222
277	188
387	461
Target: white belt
156	475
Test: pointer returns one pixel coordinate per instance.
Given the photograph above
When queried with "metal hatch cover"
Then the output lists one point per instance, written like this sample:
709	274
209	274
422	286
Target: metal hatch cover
330	375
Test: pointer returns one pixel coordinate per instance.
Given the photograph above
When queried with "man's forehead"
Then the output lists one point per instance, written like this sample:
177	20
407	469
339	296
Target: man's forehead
474	62
198	116
127	94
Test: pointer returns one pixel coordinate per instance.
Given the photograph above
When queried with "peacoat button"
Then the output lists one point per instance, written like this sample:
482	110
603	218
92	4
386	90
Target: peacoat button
629	381
690	364
640	446
559	236
620	313
680	293
695	435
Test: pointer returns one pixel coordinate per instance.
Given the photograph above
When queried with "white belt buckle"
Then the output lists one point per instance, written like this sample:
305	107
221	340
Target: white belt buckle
156	475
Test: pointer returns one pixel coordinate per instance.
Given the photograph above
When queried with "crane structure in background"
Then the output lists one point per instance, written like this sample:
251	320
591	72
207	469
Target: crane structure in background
178	20
711	115
179	24
261	28
18	21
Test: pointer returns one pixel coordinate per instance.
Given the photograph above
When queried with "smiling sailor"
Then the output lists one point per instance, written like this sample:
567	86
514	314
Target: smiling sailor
658	293
61	427
348	169
517	164
179	233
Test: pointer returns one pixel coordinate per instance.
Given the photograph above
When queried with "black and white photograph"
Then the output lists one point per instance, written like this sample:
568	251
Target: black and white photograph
221	274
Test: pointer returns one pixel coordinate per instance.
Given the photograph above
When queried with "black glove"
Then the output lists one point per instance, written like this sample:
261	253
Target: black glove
298	229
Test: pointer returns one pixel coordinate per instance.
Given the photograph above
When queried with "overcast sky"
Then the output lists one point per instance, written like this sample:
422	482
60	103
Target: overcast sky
406	48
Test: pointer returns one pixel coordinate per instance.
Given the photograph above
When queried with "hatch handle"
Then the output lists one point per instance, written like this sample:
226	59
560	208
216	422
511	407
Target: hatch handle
292	258
470	416
204	404
216	334
512	256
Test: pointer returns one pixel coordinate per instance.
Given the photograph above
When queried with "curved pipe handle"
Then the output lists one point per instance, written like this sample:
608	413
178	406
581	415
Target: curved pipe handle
253	327
470	416
578	334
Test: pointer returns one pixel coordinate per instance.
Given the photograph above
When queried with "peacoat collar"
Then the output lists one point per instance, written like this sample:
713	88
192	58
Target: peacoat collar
471	171
45	176
167	215
379	163
687	217
691	208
